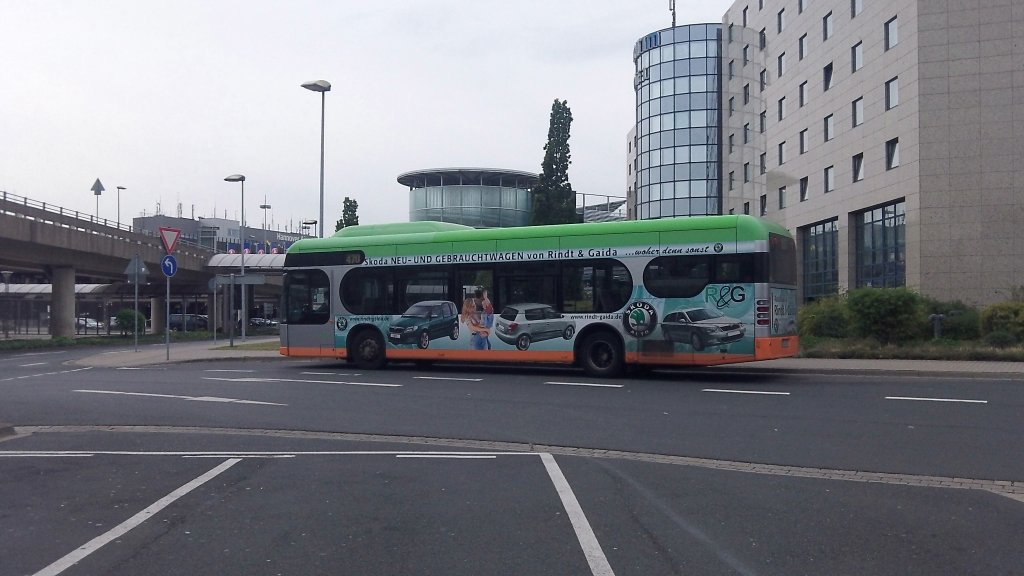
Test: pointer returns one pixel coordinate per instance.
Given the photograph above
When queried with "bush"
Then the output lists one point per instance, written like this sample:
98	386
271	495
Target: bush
889	315
960	322
1000	339
1004	317
127	319
825	318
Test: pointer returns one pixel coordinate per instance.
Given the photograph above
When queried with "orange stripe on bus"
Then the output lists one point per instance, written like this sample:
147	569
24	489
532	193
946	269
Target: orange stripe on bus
777	347
483	355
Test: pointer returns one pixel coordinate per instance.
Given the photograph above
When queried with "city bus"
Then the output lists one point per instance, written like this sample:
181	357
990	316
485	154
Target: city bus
604	296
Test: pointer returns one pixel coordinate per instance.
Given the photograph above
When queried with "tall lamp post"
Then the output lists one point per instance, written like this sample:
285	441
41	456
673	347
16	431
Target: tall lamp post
7	305
323	87
310	223
265	207
119	188
241	238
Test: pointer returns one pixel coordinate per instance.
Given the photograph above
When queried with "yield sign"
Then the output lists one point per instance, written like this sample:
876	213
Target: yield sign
170	238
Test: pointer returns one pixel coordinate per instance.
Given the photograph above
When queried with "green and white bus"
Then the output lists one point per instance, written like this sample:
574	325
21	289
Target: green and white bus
681	291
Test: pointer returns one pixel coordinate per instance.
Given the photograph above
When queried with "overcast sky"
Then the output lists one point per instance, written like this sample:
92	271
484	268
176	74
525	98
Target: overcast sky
168	98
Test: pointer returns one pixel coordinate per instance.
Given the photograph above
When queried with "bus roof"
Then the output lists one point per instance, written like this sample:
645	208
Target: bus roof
405	233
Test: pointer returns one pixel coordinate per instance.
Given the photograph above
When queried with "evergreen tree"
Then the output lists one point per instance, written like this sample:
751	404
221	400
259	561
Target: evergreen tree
349	217
554	201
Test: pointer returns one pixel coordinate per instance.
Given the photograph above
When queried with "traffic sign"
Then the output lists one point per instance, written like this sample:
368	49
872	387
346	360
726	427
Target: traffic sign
169	236
169	265
136	267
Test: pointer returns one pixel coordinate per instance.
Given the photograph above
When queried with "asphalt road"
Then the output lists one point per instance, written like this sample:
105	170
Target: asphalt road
290	467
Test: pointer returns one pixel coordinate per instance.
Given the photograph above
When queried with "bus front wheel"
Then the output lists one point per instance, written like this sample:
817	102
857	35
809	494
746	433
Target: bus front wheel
602	355
368	350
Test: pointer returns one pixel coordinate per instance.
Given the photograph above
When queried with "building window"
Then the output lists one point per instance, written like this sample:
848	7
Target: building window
858	167
746	55
744	16
803	141
764	204
782	153
732	65
782	64
746	207
856	7
732	142
732	180
746	133
804	186
746	172
858	111
782	108
732	211
746	93
892	35
803	94
881	247
764	79
892	93
857	56
826	27
764	162
800	5
803	46
762	39
782	20
892	153
826	77
760	5
732	105
820	250
763	119
830	179
782	198
829	127
730	31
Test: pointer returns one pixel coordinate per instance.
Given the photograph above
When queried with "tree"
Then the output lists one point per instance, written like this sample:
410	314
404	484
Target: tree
554	201
349	217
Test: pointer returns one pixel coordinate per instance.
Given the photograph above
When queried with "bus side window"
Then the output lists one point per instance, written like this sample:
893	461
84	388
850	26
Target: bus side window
734	269
677	276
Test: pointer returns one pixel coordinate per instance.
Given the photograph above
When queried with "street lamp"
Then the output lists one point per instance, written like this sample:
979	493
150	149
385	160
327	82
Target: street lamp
265	207
119	188
241	238
321	86
7	305
310	223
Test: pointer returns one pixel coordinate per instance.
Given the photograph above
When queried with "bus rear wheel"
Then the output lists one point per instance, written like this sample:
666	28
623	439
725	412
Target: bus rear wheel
602	355
368	350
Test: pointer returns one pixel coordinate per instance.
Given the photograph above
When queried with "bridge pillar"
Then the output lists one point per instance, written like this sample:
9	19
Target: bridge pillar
157	314
62	302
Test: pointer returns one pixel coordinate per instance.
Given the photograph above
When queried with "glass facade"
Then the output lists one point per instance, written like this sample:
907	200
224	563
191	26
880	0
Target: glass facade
483	198
820	246
882	246
677	122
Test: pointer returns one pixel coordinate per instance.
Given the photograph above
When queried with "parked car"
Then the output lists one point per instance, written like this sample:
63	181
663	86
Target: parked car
88	325
425	321
521	324
701	327
188	322
262	322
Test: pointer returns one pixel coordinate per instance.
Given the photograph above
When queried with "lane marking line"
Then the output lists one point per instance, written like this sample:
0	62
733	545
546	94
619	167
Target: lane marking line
745	392
222	455
328	374
584	533
452	456
590	384
303	381
226	370
448	378
32	364
45	374
175	396
42	455
937	399
255	454
124	527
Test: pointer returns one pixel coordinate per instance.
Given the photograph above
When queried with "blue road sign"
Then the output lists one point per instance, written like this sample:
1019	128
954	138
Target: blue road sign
169	265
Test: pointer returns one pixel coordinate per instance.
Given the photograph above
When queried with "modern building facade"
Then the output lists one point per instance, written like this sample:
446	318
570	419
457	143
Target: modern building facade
220	234
480	197
888	136
676	170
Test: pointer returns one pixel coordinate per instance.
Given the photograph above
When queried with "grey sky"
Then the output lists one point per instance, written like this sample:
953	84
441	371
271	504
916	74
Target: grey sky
168	98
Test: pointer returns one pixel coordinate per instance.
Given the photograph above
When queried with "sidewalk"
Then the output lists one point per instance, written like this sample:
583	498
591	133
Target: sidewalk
156	354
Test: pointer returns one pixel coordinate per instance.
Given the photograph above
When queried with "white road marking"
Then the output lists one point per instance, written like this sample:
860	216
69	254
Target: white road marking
584	533
32	364
256	454
45	374
448	378
455	456
225	370
746	392
328	374
937	399
222	455
591	384
193	398
124	527
302	381
42	455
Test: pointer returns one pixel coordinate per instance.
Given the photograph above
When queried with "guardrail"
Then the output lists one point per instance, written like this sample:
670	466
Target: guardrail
65	212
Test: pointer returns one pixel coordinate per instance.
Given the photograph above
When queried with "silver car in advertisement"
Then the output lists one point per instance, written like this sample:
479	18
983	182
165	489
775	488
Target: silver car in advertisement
701	327
522	324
